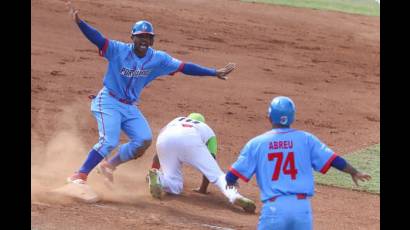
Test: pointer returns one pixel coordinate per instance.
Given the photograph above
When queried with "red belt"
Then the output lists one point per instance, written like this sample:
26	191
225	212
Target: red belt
122	100
299	196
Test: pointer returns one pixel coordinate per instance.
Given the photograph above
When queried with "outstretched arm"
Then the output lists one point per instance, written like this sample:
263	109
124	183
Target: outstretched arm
197	70
342	165
92	34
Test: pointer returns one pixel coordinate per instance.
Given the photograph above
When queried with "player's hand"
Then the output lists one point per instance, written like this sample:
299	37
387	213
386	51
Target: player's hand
72	11
221	73
360	176
199	190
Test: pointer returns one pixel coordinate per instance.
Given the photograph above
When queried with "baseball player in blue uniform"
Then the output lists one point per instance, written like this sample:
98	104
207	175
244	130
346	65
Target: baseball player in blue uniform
131	67
282	160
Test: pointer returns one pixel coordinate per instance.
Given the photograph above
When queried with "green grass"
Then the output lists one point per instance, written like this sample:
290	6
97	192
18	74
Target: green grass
367	160
365	7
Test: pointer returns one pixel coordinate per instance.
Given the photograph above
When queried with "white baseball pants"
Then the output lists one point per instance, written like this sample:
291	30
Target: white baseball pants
176	146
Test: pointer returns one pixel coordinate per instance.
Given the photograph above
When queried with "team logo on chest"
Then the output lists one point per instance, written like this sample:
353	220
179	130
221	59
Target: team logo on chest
134	72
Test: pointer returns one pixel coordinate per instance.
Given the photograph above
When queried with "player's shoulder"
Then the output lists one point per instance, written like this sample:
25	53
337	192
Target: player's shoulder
259	138
178	119
267	136
158	52
307	134
120	43
120	46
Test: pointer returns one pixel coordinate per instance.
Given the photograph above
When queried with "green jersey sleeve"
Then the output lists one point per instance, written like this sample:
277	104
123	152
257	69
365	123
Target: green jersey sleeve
212	146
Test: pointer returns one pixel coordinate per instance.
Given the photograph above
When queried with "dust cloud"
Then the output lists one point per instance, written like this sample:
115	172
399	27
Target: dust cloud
53	160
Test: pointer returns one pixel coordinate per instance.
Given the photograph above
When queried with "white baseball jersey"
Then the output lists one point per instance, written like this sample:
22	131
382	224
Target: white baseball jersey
191	127
183	140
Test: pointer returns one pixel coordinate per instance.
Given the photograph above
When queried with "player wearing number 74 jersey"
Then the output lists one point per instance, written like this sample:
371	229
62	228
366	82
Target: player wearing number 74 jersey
282	160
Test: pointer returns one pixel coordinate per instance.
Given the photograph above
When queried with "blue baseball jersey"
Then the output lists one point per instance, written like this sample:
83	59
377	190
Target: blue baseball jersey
283	161
128	74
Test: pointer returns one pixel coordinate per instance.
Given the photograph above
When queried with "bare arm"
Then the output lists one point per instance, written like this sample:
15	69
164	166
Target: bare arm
355	174
204	186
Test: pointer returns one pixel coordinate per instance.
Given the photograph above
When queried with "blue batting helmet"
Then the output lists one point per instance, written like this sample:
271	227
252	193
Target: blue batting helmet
281	111
142	27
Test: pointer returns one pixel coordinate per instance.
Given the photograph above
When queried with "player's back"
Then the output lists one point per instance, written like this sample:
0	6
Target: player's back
284	161
189	128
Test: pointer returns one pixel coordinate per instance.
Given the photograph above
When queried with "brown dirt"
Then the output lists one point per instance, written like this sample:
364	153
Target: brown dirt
327	62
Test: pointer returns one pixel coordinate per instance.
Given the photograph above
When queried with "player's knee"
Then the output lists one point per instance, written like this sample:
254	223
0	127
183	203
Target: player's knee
111	145
147	139
141	149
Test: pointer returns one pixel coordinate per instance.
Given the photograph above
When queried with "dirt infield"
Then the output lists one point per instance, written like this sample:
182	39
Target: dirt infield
328	62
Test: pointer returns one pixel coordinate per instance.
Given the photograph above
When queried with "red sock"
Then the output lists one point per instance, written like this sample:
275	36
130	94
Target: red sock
82	176
155	165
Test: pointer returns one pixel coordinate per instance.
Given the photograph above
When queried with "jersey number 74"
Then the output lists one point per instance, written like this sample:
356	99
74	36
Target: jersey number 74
288	166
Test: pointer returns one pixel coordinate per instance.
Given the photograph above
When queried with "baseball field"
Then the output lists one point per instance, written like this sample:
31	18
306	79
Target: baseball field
328	62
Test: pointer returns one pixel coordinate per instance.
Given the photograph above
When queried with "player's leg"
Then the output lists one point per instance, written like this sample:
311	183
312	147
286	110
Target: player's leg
197	155
109	128
272	218
286	213
302	214
168	150
137	129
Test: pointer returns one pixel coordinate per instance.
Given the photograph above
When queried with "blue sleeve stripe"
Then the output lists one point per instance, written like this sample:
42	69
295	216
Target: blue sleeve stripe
231	178
197	70
92	34
339	163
